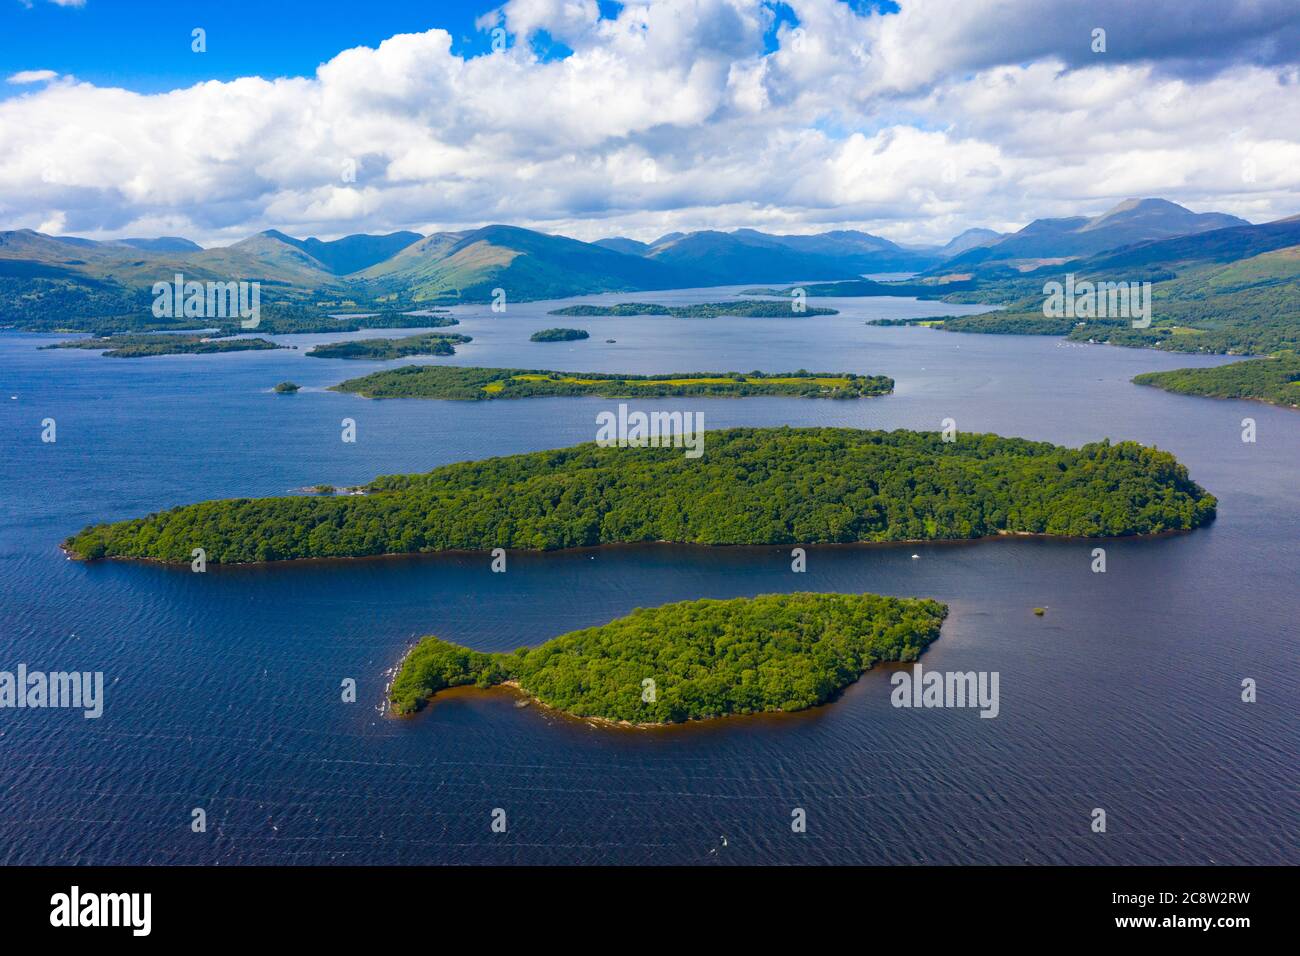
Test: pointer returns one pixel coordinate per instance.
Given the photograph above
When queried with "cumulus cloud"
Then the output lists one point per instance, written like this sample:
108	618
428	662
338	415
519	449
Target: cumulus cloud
680	114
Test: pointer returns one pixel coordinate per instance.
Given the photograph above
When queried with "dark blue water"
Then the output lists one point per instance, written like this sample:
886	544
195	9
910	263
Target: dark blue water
224	688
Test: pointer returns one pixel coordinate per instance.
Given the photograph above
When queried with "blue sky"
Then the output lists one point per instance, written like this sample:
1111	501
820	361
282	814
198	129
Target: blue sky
144	45
639	118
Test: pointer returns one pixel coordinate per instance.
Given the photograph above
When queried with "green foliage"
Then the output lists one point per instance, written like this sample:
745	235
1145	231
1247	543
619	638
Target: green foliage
472	384
101	308
558	335
287	388
431	343
141	346
705	310
1275	380
752	486
775	652
1248	306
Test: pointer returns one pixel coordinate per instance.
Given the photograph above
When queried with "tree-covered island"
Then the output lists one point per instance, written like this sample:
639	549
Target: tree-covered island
145	345
559	335
692	660
469	383
752	486
429	343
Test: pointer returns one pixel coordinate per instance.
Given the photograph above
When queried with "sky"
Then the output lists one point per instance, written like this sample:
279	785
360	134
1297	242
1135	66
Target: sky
913	119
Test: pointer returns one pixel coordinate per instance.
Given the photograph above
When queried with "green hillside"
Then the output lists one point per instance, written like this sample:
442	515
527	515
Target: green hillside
1275	380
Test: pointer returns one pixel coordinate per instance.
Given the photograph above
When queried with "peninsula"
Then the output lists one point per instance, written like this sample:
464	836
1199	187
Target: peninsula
693	660
1275	380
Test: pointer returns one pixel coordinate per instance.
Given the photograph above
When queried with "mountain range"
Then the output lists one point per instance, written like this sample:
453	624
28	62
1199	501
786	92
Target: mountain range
1132	221
83	277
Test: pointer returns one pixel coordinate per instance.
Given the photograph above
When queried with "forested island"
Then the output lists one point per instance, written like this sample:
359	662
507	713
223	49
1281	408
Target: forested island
559	335
692	660
752	486
163	343
276	318
707	310
430	343
1275	380
468	383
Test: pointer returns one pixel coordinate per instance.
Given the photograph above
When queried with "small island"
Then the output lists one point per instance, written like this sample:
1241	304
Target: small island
430	343
692	660
144	345
468	383
745	309
752	486
559	335
287	388
1274	380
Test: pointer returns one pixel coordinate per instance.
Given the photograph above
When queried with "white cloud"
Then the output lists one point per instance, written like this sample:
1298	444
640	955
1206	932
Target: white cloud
32	76
672	116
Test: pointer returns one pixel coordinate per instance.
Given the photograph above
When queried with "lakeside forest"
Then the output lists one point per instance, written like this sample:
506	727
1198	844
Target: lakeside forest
468	383
753	486
705	658
1275	380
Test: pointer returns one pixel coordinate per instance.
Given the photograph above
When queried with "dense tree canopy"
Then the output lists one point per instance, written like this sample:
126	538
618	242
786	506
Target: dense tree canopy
703	658
469	383
1275	380
752	486
430	343
162	343
559	335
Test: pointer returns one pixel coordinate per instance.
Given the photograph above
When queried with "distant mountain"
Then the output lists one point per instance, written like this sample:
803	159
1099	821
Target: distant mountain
970	239
1183	252
262	257
51	277
746	255
626	246
526	264
1132	221
162	244
352	253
